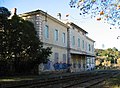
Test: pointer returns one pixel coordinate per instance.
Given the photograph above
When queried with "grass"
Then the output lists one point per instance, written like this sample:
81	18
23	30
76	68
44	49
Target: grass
25	77
113	82
18	78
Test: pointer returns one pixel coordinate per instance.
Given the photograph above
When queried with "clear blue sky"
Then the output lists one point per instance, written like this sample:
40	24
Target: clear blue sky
98	31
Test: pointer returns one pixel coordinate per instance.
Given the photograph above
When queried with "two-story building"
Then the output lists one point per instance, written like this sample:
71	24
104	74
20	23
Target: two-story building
69	42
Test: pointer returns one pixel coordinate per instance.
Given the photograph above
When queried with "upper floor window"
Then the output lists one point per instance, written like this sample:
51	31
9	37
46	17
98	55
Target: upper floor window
73	40
63	37
89	48
56	35
46	31
92	48
83	44
78	42
86	46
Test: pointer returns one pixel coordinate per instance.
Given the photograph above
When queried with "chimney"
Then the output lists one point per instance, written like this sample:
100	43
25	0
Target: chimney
14	11
59	15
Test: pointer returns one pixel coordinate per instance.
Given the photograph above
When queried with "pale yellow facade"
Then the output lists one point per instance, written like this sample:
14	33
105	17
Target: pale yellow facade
81	49
42	20
69	42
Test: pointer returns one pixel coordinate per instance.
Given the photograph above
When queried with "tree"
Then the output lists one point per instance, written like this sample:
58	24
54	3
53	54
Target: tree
20	45
114	49
109	55
4	14
108	10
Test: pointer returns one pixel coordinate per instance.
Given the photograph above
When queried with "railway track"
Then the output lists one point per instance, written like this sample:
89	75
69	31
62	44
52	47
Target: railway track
89	82
85	80
93	82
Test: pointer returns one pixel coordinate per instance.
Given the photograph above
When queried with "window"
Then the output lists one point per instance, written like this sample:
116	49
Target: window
83	44
64	58
74	65
78	42
89	48
46	31
87	60
79	65
63	37
56	35
37	22
92	48
56	57
73	40
86	46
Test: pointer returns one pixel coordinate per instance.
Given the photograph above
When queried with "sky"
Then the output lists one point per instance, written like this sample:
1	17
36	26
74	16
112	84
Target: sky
100	32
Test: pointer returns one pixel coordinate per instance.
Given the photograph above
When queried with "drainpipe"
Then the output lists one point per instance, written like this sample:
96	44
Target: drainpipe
68	46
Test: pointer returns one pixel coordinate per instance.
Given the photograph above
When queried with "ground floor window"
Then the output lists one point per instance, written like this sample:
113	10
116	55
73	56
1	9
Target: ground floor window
74	65
64	58
56	57
79	65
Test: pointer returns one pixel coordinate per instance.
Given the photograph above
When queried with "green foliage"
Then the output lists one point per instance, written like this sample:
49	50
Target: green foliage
19	45
110	54
4	12
114	49
103	53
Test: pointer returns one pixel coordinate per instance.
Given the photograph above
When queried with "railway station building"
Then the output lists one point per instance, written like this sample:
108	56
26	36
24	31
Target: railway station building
70	44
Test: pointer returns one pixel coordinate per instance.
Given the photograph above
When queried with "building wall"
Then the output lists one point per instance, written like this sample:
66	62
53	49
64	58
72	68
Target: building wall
60	50
51	39
74	32
59	46
82	55
67	51
78	63
91	54
90	46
